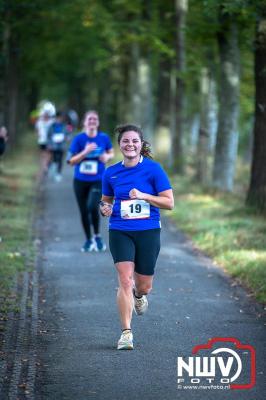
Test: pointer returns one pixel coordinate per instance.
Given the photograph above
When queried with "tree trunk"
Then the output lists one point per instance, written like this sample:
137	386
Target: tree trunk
3	72
33	96
106	104
76	96
204	135
163	92
134	84
213	114
257	190
227	135
140	92
122	92
12	90
172	112
177	140
146	99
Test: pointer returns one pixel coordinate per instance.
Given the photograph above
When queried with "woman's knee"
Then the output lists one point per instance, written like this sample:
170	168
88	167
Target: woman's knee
144	287
125	275
126	282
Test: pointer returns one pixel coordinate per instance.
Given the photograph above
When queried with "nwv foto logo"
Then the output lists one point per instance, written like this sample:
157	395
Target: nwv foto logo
221	368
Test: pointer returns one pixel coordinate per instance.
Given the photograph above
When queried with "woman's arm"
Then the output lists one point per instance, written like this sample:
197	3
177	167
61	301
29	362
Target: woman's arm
106	156
77	158
106	206
164	199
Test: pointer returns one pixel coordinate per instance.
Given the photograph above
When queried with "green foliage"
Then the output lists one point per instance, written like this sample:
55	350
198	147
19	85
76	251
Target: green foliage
17	194
82	48
224	229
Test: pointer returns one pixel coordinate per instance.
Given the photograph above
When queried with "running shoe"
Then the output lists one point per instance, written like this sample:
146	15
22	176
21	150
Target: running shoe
100	245
140	304
126	341
58	178
88	246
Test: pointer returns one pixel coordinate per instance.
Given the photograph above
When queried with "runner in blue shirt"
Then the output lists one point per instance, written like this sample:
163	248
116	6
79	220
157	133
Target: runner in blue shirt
89	151
133	192
56	143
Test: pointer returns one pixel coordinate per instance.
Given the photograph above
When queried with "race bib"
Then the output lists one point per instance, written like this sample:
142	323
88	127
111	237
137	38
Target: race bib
89	167
58	137
135	209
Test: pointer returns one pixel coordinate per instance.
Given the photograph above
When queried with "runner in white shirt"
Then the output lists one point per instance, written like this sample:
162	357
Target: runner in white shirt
42	127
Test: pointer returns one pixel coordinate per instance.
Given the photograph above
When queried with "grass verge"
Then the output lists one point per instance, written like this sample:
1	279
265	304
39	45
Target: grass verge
18	171
223	228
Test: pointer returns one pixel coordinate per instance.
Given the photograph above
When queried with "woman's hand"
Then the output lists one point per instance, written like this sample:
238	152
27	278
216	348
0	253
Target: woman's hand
89	148
106	209
137	194
104	158
77	158
164	199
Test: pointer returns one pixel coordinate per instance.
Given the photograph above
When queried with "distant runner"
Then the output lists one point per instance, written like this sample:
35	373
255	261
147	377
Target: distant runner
90	150
56	143
42	127
133	192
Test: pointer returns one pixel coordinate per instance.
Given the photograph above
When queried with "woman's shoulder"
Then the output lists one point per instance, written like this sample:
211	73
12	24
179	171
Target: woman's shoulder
79	137
113	167
149	162
103	135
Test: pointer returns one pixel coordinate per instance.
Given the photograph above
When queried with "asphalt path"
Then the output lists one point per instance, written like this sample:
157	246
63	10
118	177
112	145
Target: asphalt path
78	325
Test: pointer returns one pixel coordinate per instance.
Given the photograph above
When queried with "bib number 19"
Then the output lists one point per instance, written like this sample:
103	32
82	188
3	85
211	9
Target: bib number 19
135	209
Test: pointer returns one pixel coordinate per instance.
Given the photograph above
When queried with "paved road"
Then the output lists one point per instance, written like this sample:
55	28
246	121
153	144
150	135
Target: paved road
78	325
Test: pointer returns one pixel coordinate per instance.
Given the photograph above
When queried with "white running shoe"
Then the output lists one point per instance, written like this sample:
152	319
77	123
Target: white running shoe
126	341
58	178
140	305
88	246
99	244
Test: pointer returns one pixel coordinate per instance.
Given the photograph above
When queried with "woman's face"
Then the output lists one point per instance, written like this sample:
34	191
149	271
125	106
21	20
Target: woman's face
130	144
91	122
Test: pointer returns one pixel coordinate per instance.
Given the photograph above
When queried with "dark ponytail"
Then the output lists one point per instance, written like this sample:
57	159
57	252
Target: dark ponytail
146	147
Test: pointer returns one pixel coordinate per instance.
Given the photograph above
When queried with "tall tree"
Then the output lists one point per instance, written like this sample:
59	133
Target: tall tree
227	135
181	7
204	129
257	189
3	60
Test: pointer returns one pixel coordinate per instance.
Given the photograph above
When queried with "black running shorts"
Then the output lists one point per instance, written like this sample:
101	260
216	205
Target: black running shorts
140	247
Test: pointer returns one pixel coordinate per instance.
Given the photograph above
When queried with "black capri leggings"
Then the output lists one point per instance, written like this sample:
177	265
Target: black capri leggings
58	159
88	195
140	247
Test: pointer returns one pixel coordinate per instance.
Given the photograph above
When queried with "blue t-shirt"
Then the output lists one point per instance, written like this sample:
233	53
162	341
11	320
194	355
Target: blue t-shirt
57	136
90	168
134	215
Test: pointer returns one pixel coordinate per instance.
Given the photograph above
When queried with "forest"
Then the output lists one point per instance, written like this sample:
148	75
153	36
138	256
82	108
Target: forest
192	73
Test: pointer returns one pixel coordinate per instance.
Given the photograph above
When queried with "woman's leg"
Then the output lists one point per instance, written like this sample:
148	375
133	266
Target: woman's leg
44	160
143	284
81	190
147	250
93	205
47	159
125	271
58	159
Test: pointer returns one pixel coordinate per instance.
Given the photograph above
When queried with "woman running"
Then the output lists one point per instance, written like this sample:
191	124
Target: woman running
133	192
42	127
56	143
89	151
